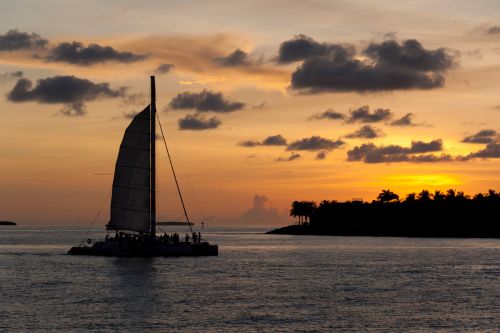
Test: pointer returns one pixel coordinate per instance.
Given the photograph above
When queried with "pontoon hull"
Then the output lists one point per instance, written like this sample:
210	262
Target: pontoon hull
116	249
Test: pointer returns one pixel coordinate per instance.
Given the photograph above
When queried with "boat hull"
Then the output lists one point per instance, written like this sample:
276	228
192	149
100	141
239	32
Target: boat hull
117	249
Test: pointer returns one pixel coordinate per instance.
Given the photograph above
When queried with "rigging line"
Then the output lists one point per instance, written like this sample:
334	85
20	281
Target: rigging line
96	217
175	177
190	185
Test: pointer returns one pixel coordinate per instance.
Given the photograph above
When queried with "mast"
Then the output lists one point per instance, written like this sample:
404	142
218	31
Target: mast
153	157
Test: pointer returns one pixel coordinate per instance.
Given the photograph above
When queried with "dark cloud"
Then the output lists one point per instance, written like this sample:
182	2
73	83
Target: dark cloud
236	58
204	101
492	150
484	136
315	143
496	107
363	115
198	122
164	69
78	54
272	140
292	157
366	132
321	155
71	91
61	89
389	65
409	54
302	47
425	147
493	30
11	75
15	40
249	143
406	120
328	114
369	153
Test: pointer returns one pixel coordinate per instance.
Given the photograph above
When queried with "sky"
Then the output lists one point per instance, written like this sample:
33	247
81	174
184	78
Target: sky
263	102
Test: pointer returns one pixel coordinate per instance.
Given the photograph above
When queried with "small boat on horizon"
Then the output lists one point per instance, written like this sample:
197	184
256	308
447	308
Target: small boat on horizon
133	200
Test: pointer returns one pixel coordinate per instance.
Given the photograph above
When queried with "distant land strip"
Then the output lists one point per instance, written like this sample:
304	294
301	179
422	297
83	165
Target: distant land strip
7	223
440	214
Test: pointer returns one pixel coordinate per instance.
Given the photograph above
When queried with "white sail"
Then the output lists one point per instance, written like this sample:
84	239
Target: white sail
130	201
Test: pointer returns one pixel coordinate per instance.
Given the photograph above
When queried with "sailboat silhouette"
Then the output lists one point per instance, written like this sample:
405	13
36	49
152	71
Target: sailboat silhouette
133	201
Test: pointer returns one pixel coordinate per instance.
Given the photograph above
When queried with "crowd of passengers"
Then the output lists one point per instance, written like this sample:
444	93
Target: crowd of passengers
164	239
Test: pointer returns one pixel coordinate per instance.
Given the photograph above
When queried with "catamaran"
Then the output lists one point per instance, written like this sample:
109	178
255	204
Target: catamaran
133	200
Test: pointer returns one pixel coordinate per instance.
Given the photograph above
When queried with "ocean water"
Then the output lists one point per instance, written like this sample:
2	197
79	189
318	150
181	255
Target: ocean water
258	283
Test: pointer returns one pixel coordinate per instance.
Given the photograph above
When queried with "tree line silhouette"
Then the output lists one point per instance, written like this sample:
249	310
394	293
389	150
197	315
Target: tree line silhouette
426	214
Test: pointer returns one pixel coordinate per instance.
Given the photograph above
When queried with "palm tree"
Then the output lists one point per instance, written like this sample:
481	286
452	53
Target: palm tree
308	208
387	196
424	196
295	210
410	197
438	196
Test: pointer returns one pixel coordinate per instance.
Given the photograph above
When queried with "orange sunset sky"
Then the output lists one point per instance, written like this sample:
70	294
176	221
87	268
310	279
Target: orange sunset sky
263	102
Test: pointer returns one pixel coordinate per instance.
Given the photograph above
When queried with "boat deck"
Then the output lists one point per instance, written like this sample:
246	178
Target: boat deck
127	249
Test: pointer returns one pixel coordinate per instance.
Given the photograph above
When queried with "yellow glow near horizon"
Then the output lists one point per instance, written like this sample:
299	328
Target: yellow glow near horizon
421	181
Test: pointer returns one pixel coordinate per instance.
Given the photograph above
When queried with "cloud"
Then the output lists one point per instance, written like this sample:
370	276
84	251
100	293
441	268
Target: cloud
130	115
272	140
249	143
71	91
76	109
363	115
425	147
366	132
315	143
484	136
496	107
236	58
11	75
492	150
135	99
302	47
328	114
487	29
411	55
493	30
260	214
78	54
163	69
406	120
204	101
321	155
292	157
15	40
370	153
197	122
386	66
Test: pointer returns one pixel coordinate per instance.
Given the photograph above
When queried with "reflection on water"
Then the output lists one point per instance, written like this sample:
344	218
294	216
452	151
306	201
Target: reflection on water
257	283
